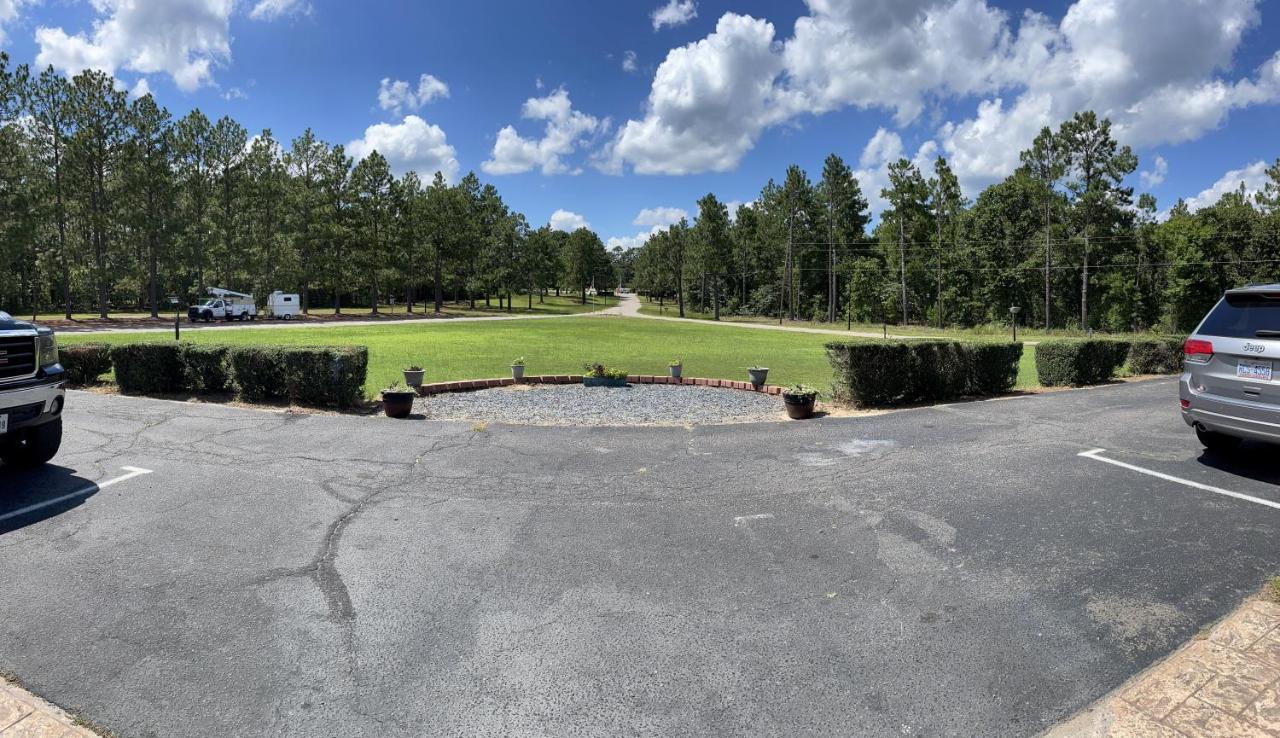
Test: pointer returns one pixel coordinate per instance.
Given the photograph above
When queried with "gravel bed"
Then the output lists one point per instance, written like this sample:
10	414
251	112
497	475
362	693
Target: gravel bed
637	404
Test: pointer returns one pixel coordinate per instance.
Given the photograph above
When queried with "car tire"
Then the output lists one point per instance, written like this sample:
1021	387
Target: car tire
33	446
1219	442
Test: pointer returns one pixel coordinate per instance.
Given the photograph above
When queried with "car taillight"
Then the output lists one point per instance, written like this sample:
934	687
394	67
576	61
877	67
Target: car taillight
1185	404
1197	351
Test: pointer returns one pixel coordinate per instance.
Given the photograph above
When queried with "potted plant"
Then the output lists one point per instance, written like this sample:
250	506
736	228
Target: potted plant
759	375
413	376
599	375
798	400
517	369
675	366
397	401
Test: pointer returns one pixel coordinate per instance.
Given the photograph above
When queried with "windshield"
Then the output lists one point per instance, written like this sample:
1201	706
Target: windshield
1252	315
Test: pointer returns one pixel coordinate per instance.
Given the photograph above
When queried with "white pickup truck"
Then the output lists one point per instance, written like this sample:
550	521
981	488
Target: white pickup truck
32	393
224	305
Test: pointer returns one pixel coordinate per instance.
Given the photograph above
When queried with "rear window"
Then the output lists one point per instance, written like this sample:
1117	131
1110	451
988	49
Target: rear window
1243	316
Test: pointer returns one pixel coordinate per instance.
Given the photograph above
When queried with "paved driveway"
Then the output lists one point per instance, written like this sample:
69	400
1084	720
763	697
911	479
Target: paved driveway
952	571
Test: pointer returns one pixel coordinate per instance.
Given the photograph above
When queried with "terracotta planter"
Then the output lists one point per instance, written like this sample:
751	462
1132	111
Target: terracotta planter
799	407
413	378
397	404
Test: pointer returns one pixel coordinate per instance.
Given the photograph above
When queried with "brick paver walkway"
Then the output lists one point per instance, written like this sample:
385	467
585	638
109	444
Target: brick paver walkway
23	715
1225	684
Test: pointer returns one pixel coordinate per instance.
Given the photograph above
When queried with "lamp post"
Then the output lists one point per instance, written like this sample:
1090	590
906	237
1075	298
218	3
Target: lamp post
177	330
1013	312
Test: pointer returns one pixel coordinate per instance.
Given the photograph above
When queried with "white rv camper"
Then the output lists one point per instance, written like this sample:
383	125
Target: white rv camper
282	305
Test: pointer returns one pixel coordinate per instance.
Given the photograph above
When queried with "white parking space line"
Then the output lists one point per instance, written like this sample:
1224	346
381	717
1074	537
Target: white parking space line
133	471
1095	455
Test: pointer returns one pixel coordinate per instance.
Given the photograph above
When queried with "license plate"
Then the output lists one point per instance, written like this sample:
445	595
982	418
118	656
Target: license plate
1260	370
4	423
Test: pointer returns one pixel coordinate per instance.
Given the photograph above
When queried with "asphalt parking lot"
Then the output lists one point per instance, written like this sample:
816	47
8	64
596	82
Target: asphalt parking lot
196	570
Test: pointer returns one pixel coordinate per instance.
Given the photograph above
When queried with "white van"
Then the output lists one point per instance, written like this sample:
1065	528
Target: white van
283	305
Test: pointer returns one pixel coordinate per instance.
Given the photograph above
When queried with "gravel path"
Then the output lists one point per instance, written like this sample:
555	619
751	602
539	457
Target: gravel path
640	404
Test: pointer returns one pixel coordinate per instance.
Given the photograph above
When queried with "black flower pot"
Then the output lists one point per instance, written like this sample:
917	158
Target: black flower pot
397	404
799	407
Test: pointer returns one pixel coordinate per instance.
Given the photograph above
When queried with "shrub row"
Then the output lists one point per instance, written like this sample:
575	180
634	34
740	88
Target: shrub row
84	363
1156	356
305	375
895	373
1077	363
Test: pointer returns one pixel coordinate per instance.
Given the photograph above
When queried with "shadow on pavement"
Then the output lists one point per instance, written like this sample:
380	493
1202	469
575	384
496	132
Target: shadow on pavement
1252	460
28	496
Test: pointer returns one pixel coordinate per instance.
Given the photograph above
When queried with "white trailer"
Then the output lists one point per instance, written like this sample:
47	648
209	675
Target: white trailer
284	305
224	305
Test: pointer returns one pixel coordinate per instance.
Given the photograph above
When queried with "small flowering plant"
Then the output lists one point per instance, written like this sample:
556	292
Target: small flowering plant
599	370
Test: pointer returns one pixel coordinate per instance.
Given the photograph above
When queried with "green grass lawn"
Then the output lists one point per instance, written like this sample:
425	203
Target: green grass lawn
559	346
976	333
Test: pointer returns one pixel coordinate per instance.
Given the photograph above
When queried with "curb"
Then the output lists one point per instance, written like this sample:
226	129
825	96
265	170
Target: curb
471	385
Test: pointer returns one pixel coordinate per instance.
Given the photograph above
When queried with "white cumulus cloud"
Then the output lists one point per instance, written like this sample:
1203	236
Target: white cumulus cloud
1252	177
1156	174
181	38
1162	70
411	145
567	221
269	10
564	131
629	61
674	13
9	10
398	96
707	106
660	216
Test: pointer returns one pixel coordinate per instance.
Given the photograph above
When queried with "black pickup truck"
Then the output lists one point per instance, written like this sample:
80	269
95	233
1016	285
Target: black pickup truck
32	392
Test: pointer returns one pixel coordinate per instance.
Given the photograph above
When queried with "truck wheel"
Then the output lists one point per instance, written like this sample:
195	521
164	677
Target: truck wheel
241	317
33	446
208	316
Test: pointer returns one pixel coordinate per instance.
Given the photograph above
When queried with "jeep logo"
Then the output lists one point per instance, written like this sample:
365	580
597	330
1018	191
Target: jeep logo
1254	348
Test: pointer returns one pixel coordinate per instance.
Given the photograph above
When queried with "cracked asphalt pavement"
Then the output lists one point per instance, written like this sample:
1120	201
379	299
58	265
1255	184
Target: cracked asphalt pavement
951	571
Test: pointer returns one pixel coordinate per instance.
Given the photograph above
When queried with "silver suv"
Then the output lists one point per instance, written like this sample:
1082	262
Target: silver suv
1228	390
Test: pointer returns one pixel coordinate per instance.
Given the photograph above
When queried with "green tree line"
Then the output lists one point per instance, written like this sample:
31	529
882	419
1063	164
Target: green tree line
110	204
1062	238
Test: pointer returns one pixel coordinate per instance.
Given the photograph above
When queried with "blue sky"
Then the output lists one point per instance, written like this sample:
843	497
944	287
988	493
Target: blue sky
616	108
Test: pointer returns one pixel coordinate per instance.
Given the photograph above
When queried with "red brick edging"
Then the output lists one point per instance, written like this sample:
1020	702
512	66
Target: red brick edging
469	385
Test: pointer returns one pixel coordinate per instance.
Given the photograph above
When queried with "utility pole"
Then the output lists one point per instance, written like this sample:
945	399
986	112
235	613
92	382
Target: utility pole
902	264
1084	278
831	261
938	217
789	287
1046	264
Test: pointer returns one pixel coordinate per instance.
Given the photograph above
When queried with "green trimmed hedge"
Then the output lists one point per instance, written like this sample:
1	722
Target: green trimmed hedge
1156	356
875	373
326	375
306	375
258	372
84	363
205	370
1079	363
148	368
